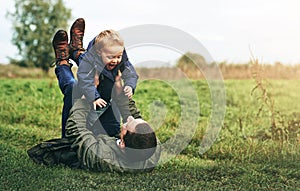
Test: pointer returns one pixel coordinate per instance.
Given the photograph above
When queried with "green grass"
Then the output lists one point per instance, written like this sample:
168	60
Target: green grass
245	156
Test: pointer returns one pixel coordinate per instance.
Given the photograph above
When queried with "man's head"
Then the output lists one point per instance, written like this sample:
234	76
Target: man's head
138	139
110	47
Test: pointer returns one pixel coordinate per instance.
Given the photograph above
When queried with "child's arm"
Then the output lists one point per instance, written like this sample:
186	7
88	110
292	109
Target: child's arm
86	80
98	102
130	78
129	75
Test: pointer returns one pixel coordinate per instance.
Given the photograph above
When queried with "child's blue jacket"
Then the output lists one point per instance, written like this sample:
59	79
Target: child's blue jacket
91	62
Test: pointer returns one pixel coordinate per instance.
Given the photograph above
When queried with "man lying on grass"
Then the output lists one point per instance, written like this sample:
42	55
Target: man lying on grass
137	150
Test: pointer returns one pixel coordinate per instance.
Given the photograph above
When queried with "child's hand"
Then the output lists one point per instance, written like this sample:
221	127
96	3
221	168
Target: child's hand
100	103
128	91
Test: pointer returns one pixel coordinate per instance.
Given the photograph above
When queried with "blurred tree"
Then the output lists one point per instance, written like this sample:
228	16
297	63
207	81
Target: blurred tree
34	25
191	61
192	64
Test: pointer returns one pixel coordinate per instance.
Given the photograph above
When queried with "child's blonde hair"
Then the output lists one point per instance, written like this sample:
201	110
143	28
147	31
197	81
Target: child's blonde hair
108	38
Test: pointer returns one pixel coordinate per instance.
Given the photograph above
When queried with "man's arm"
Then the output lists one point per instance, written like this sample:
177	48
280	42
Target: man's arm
127	107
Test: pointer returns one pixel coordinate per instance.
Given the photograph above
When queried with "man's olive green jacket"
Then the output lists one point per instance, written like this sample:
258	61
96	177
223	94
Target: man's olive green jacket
81	149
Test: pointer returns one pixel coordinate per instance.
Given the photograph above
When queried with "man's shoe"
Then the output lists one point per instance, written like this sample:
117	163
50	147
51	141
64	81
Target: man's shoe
76	44
77	33
61	46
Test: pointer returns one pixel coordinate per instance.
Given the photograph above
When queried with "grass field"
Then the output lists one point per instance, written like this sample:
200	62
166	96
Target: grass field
247	155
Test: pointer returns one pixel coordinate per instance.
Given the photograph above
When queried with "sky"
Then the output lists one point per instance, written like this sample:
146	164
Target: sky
232	31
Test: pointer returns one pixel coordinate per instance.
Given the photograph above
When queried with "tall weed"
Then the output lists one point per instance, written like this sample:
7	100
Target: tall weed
282	128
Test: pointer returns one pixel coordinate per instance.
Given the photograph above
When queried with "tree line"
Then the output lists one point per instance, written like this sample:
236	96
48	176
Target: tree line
34	23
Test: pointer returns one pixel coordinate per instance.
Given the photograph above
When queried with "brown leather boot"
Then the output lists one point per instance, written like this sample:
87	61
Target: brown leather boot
60	46
76	35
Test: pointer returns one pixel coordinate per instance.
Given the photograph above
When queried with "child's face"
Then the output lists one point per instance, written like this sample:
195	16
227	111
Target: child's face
111	55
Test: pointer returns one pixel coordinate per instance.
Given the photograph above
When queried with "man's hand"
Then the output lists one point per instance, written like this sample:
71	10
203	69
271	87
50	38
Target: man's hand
99	102
128	91
118	83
